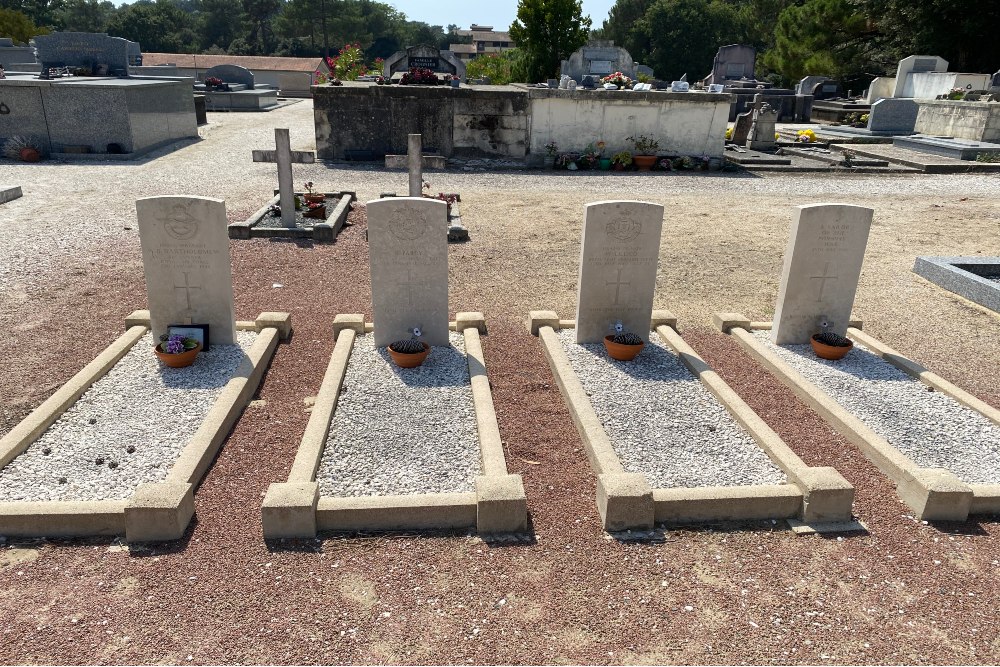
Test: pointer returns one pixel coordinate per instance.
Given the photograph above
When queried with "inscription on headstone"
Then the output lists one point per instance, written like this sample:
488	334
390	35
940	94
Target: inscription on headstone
600	67
618	259
185	256
426	63
409	268
819	279
84	49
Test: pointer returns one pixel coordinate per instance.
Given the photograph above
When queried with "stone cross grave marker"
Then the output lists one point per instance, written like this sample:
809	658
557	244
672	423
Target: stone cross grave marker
185	255
409	269
826	248
415	164
618	259
285	156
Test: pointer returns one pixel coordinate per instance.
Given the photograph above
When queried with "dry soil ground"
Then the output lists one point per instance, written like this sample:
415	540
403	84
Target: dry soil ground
905	592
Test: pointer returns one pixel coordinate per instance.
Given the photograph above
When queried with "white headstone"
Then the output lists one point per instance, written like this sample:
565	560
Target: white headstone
618	259
185	255
826	248
408	245
903	85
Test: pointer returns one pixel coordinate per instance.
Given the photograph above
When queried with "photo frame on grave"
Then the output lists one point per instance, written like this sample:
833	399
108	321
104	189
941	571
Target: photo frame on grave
716	88
197	331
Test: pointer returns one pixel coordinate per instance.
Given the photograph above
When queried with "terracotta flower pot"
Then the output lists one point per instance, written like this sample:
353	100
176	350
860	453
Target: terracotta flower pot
318	212
830	352
404	360
644	162
618	166
30	155
316	198
619	351
177	360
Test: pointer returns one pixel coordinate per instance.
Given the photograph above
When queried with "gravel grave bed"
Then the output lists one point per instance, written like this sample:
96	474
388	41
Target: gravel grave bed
663	423
271	221
400	431
140	405
929	427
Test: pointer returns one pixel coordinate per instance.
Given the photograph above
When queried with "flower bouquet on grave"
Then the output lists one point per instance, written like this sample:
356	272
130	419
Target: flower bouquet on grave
829	345
622	345
618	79
177	351
409	352
213	82
805	136
315	210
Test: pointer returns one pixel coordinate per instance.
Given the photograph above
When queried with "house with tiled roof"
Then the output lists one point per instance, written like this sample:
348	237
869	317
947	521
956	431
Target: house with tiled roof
485	40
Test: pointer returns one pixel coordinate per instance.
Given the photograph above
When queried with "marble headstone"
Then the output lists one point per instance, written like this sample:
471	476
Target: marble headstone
231	74
83	49
893	115
409	268
185	255
826	248
618	260
598	58
903	85
807	83
732	63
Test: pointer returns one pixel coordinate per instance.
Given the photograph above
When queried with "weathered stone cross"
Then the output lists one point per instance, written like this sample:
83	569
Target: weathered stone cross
822	280
285	156
618	285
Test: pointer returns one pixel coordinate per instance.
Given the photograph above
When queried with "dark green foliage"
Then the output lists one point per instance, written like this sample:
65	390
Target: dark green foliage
546	32
408	346
821	36
830	338
627	339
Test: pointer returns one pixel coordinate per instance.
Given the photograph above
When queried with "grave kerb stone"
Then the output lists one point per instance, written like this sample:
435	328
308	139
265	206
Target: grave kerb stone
822	266
284	156
619	254
409	268
185	257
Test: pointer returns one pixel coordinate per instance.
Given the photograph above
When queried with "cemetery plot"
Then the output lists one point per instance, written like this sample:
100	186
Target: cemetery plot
409	443
119	448
939	444
975	278
925	162
668	439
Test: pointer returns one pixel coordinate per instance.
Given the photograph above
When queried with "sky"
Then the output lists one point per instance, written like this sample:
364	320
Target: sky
497	13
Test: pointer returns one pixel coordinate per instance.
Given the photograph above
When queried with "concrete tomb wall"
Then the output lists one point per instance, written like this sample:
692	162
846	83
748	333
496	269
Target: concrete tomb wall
977	121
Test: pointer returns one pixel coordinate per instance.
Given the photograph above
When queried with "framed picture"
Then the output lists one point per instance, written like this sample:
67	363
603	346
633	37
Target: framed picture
197	331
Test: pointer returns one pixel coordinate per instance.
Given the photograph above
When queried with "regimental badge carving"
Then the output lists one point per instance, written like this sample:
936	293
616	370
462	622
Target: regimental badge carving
623	228
179	223
410	228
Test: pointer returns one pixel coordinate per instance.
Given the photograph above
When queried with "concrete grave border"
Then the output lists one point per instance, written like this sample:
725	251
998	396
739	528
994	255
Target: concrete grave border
296	509
947	273
934	494
157	510
9	193
324	231
816	499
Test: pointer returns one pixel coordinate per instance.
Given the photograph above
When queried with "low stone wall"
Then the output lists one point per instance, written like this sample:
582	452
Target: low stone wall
978	121
511	121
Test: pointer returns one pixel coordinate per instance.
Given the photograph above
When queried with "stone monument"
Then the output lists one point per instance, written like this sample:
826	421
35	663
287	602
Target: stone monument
231	74
903	85
761	135
819	278
618	259
284	156
598	58
89	50
409	268
733	63
185	256
424	57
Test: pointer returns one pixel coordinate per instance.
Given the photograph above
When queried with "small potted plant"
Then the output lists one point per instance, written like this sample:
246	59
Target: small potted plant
551	149
621	160
177	351
22	148
409	352
622	345
568	161
645	151
590	158
603	162
213	82
313	197
829	345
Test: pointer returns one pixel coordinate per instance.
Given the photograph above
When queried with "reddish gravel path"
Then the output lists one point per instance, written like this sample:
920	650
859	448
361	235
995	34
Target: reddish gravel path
905	593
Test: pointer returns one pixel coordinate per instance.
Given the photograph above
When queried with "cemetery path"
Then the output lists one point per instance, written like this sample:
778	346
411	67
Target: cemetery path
905	592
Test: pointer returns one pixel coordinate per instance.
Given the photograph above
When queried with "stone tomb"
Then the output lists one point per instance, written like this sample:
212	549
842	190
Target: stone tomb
974	278
93	51
409	268
618	259
598	59
185	255
668	440
423	57
944	468
903	84
231	74
826	248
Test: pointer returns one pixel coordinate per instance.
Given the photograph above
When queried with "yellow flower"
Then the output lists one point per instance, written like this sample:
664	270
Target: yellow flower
729	132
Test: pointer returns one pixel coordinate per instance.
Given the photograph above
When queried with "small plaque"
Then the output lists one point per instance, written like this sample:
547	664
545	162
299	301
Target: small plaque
433	64
600	67
197	331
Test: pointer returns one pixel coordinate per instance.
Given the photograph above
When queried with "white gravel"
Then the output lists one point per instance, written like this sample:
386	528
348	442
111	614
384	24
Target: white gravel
929	427
663	423
400	431
140	403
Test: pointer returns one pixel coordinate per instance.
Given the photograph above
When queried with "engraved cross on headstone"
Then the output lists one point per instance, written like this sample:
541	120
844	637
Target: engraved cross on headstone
285	156
408	286
618	285
187	287
822	280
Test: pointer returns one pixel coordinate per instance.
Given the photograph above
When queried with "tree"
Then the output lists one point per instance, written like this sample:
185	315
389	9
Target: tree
18	26
547	31
501	68
85	15
820	37
221	21
157	26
